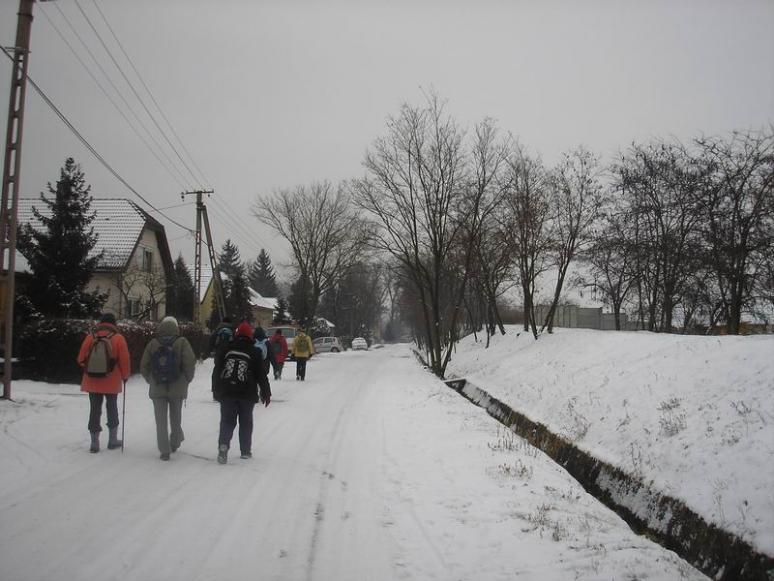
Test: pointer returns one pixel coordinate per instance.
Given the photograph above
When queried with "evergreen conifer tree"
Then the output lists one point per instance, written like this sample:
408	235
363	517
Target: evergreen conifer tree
235	285
301	301
58	252
262	277
281	312
180	292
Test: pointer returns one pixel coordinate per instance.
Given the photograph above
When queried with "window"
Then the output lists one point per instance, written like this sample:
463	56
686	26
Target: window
147	259
133	306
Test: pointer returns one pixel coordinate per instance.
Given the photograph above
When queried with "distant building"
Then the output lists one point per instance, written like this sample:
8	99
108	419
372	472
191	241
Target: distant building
136	262
261	308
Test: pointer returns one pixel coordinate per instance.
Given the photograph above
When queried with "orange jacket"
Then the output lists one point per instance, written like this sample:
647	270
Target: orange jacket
111	383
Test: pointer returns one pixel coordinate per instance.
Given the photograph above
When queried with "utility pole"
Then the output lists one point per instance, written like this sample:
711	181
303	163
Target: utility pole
201	218
10	195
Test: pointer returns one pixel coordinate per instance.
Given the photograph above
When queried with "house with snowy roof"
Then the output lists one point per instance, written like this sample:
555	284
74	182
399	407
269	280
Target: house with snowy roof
135	263
261	308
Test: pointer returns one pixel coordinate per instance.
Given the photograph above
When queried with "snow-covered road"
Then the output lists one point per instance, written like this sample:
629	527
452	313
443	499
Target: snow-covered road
369	470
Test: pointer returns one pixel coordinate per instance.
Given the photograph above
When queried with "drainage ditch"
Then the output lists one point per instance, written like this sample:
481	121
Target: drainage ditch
649	512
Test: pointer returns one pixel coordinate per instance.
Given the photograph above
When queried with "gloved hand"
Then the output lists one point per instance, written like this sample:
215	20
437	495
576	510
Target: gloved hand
266	400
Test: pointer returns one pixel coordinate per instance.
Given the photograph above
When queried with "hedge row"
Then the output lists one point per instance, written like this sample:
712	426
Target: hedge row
47	349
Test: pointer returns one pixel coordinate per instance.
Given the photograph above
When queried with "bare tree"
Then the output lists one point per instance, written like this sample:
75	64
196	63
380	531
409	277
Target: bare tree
576	198
661	182
611	258
525	220
739	214
325	232
416	192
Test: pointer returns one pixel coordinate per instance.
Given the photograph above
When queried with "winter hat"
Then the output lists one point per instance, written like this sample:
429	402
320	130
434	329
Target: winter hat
244	330
259	333
169	326
108	318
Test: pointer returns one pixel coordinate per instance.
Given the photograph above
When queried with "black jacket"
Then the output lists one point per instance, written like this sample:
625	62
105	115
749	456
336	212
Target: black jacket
258	379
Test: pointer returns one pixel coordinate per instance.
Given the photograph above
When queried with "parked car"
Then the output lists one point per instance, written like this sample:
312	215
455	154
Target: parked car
327	345
288	332
358	344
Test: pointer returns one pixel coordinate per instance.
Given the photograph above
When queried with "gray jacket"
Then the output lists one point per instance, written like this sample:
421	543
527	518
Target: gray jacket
186	360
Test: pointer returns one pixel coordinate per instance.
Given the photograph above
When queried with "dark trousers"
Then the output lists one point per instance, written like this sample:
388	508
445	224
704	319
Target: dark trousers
95	413
300	368
278	369
232	409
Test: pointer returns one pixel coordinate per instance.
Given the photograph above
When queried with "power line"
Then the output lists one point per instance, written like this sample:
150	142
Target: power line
150	93
131	86
108	96
240	230
88	146
120	93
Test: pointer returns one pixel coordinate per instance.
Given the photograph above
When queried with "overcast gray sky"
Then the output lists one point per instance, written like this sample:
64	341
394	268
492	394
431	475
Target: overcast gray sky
267	95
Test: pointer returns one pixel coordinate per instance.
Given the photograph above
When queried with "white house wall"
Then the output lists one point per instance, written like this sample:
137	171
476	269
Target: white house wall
109	281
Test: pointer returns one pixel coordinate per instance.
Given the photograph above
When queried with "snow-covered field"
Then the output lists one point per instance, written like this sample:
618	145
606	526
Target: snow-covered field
372	469
693	415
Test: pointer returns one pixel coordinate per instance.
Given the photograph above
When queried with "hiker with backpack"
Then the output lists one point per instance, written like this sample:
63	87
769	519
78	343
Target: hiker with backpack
168	364
262	343
223	334
104	358
279	347
241	382
302	351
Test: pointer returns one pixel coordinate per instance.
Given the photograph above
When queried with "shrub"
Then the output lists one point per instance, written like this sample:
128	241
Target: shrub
47	349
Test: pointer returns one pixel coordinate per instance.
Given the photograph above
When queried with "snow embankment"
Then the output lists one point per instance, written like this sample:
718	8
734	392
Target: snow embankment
693	416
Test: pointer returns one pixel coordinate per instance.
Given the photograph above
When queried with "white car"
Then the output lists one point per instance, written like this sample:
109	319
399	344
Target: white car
358	344
327	345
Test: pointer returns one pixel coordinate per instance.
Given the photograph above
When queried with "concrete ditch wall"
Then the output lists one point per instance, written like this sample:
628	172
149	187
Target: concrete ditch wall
662	518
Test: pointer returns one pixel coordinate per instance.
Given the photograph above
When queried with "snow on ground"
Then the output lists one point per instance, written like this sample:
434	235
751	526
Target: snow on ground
371	469
694	415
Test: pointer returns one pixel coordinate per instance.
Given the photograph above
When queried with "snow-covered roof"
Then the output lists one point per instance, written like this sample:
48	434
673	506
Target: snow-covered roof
258	300
118	224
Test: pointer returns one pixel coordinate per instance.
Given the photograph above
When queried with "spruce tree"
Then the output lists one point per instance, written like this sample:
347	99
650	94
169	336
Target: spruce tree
301	301
58	251
229	259
180	292
281	312
235	285
262	277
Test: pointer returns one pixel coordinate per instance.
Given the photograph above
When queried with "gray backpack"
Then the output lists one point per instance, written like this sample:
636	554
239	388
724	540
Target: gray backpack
100	361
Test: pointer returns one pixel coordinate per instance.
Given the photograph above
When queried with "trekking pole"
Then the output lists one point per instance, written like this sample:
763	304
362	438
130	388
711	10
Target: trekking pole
123	419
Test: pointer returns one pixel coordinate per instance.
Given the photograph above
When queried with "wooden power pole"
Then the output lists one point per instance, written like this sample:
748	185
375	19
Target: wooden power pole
10	197
202	219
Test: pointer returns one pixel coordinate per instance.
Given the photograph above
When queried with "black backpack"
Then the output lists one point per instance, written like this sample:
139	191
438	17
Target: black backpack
165	368
236	372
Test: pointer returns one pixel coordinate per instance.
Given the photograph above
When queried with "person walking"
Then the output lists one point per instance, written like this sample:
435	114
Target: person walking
279	348
240	374
302	351
168	365
223	334
262	343
104	359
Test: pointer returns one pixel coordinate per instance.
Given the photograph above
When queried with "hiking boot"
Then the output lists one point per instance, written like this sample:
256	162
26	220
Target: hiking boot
246	455
164	456
113	441
94	442
222	454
